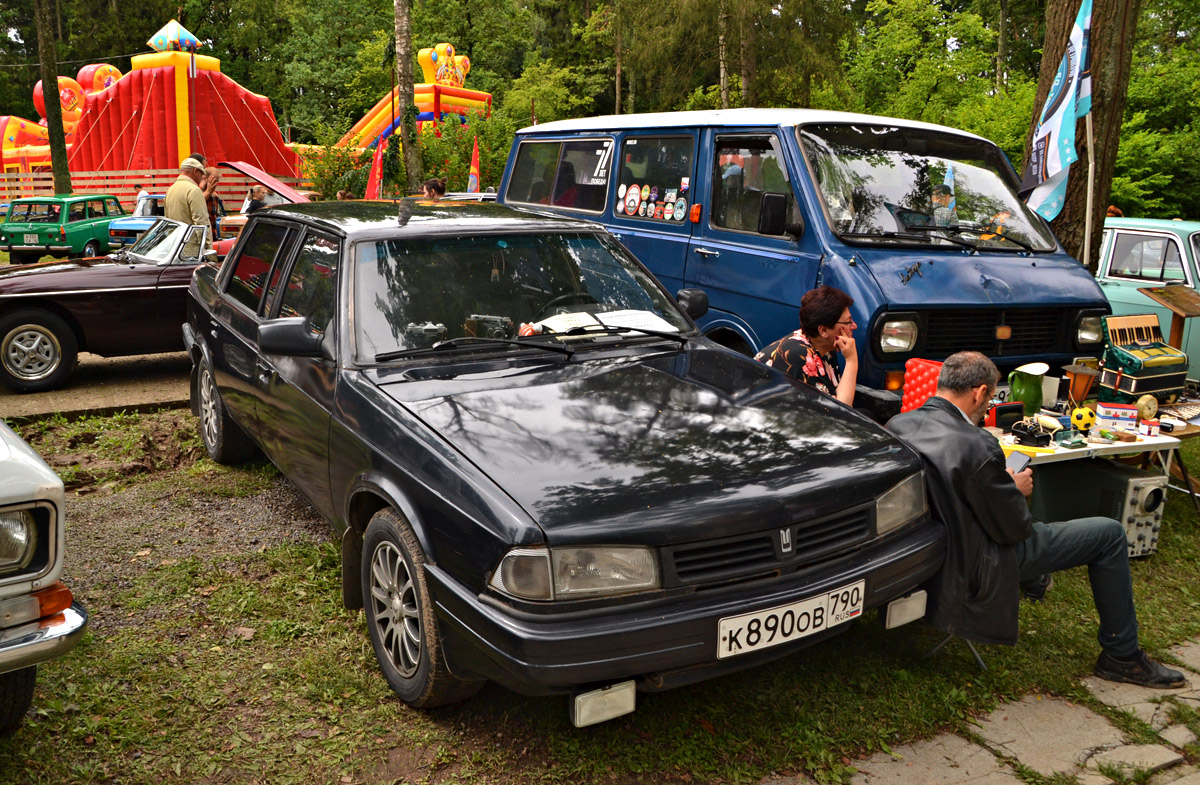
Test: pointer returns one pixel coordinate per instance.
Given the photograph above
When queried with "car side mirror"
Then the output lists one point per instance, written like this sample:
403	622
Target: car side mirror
211	257
694	302
193	244
772	214
290	337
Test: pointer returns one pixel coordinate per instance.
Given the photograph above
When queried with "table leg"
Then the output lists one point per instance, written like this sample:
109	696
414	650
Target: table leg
1187	481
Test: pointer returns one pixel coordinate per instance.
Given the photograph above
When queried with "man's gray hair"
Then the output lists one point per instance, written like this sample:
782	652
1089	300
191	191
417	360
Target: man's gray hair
965	371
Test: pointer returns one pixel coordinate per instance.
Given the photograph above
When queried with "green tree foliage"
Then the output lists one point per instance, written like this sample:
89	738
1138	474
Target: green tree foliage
446	150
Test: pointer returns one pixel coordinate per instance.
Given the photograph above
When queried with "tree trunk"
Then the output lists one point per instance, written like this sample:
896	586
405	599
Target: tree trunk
44	17
413	168
722	56
1114	27
749	61
1001	41
617	52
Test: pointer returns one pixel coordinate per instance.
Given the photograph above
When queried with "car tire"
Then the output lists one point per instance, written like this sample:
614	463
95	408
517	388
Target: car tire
91	249
223	438
16	696
38	350
400	618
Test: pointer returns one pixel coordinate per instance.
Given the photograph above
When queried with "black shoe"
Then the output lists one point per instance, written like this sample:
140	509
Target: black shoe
1036	591
1140	670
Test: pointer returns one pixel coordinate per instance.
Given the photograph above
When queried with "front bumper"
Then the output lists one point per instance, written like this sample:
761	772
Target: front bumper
43	640
664	642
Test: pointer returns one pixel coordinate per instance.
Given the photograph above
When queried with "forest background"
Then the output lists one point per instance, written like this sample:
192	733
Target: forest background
970	64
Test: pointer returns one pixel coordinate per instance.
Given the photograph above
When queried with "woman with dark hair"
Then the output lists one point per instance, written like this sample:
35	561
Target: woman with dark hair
434	189
826	326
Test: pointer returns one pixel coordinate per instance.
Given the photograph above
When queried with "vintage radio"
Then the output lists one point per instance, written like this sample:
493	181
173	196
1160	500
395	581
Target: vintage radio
1137	361
1096	486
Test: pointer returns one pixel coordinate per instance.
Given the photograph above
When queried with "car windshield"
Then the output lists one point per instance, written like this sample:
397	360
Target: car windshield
34	213
159	242
412	293
884	183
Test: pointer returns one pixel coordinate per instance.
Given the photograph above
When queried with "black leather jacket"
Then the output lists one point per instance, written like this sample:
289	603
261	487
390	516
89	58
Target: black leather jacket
976	594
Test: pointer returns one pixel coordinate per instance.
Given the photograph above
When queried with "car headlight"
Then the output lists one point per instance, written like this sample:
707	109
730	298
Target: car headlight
18	540
567	573
898	335
903	503
1088	331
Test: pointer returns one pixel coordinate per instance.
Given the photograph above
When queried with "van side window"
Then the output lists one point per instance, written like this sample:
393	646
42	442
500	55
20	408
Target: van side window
655	177
744	168
573	175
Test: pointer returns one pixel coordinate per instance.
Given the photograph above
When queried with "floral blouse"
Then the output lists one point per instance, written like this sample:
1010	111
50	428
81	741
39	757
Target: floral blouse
796	357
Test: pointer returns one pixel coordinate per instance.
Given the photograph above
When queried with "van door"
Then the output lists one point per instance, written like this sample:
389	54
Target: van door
655	172
749	277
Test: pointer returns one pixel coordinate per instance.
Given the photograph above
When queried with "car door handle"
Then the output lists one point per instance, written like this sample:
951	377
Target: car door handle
706	252
617	235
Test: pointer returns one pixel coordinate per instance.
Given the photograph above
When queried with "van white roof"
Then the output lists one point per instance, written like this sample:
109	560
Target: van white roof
726	117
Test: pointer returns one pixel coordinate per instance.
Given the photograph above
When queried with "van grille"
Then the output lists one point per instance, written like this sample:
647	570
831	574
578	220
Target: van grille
1034	331
761	553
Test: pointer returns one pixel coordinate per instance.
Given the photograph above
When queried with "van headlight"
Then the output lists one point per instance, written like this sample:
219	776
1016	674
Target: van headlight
568	573
1088	331
898	333
902	504
18	540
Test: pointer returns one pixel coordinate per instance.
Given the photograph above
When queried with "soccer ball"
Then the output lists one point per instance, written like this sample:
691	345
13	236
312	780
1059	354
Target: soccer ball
1083	419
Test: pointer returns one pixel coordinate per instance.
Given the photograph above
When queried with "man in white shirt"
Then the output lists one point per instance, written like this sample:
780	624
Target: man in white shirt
143	202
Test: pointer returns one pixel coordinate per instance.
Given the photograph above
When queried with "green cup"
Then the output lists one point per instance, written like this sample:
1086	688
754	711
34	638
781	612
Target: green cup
1027	388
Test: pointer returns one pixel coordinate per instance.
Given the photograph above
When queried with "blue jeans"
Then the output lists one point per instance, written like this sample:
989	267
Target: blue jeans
1100	544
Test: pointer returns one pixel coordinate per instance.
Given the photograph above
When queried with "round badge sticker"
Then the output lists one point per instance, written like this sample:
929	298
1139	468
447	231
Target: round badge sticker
621	191
642	208
645	192
632	197
654	194
680	209
619	207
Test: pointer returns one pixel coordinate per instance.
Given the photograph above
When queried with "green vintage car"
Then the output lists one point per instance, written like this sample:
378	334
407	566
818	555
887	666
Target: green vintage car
61	225
1145	252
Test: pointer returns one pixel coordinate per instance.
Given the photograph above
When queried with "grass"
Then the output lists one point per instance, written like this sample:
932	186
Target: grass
251	671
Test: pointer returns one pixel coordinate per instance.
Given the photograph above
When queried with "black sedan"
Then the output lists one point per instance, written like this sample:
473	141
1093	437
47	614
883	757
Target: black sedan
132	301
538	471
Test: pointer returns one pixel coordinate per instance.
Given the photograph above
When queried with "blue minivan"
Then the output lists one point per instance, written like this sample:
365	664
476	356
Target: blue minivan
919	223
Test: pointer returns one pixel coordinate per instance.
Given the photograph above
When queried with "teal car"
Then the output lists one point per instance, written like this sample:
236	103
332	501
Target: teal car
62	225
1141	252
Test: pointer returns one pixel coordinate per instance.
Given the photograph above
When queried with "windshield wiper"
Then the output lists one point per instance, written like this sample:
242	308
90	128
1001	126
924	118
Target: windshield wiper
611	329
468	340
973	230
914	234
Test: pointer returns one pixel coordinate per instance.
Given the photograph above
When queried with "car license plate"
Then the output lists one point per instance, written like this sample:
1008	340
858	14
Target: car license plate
31	239
773	626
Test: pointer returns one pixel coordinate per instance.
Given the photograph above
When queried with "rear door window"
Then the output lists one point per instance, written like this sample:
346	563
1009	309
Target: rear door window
95	208
655	178
249	279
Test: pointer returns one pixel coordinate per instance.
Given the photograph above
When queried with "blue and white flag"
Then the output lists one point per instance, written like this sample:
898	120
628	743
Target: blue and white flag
1044	184
948	181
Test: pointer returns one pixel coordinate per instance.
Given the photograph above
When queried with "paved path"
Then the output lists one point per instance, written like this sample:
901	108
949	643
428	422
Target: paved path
1053	737
102	385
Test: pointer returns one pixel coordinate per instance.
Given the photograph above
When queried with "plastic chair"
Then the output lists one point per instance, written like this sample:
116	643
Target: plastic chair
920	382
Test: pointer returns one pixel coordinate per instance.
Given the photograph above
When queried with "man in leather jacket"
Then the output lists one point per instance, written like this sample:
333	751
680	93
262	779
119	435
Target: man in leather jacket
994	546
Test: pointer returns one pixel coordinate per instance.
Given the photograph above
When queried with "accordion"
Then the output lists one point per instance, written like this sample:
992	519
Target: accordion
1138	362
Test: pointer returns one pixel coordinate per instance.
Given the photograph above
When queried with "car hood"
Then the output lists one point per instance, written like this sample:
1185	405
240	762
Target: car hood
261	177
51	275
951	279
630	449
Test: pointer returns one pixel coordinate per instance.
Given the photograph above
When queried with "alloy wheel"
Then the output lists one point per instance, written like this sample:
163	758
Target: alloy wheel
395	608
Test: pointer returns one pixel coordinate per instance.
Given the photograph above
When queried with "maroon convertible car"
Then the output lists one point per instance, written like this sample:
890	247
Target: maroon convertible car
132	301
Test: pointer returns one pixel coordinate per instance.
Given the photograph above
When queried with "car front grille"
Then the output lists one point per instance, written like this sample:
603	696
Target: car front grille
1034	331
762	553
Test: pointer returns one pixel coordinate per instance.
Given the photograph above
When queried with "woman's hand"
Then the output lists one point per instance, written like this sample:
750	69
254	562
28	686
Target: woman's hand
845	344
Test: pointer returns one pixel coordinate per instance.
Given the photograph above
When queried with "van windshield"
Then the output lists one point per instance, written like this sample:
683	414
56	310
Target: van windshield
891	184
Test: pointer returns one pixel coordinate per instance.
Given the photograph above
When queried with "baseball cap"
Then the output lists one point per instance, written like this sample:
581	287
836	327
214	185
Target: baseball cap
191	163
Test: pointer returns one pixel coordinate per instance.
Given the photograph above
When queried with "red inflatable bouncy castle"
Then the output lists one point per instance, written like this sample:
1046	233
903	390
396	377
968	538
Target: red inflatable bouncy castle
163	110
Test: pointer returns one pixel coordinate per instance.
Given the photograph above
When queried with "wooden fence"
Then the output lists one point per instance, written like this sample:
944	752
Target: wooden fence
124	185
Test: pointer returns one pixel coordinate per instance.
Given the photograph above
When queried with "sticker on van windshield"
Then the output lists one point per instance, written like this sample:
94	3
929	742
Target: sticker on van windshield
680	209
683	185
645	192
621	191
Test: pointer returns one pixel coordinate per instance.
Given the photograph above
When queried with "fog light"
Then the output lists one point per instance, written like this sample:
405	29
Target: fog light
589	708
